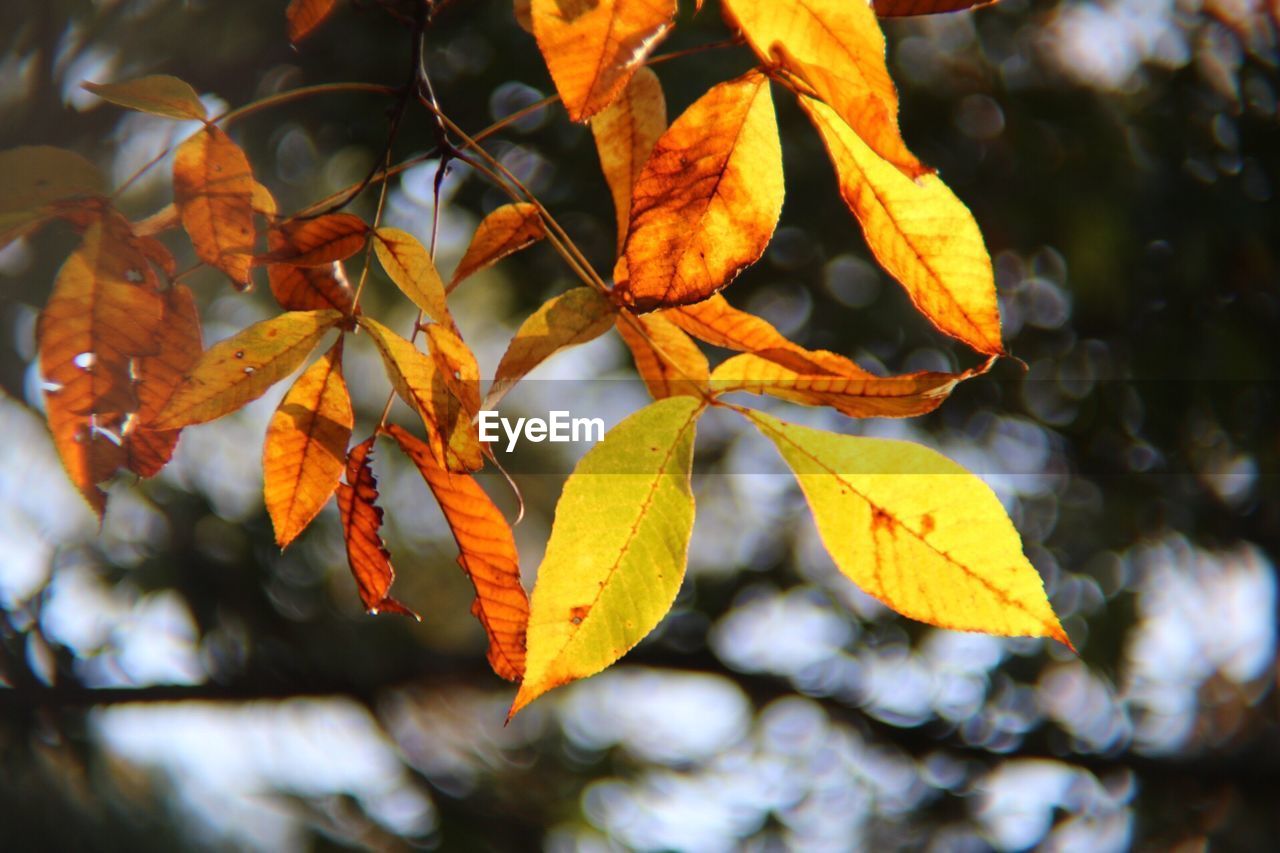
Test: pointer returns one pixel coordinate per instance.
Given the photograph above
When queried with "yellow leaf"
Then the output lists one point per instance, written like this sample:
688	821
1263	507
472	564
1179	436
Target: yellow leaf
305	450
574	317
159	95
592	47
240	369
409	265
705	205
625	134
862	395
668	361
33	178
904	8
488	555
213	188
920	233
457	404
837	48
917	531
618	548
505	231
303	16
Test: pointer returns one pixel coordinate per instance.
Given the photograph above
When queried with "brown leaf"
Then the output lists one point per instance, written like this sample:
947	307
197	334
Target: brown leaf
159	94
213	188
625	134
505	231
592	47
303	16
306	446
240	369
668	361
707	201
362	528
157	376
316	242
904	8
487	554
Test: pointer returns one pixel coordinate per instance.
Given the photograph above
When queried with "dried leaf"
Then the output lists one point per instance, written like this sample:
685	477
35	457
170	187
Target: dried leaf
362	527
408	263
487	554
904	8
505	231
157	377
919	232
316	242
306	446
668	361
625	134
707	201
618	548
34	178
592	47
240	369
213	188
159	95
574	317
837	48
303	16
915	530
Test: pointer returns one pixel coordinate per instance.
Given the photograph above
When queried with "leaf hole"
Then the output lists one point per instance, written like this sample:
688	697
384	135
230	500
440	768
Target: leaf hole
133	275
84	360
239	353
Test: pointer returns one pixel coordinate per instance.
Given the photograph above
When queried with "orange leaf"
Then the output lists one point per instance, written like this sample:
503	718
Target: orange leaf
625	134
487	554
180	346
362	527
306	446
503	232
904	8
574	317
668	361
408	263
213	188
158	94
240	369
858	396
837	48
592	47
524	14
312	288
303	16
458	402
316	242
919	232
707	201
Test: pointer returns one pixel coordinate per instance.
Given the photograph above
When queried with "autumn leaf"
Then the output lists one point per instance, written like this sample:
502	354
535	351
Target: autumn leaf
306	446
213	188
158	94
408	263
362	528
592	47
416	380
668	361
705	205
303	16
915	530
618	548
317	242
574	317
240	369
919	232
33	179
458	402
837	48
861	395
904	8
487	554
179	345
312	288
524	14
625	133
505	231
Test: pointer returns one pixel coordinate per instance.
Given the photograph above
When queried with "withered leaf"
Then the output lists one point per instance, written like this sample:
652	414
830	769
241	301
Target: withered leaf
362	528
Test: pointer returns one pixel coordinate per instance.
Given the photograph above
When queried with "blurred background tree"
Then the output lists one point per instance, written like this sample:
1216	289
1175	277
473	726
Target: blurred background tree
174	682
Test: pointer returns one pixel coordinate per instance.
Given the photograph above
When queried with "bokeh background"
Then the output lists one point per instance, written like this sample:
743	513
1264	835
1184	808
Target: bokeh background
173	682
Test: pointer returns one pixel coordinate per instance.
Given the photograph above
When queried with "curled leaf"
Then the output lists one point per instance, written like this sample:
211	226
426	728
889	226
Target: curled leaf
487	554
179	346
668	361
158	94
708	199
306	446
618	548
625	134
213	188
505	231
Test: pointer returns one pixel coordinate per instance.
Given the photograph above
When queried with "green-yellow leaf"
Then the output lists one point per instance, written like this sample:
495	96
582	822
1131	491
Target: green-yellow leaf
917	531
618	548
408	263
34	177
234	372
158	94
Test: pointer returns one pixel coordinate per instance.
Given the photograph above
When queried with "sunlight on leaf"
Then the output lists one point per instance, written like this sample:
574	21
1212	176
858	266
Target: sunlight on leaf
625	134
317	242
213	188
159	95
408	263
666	358
505	231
